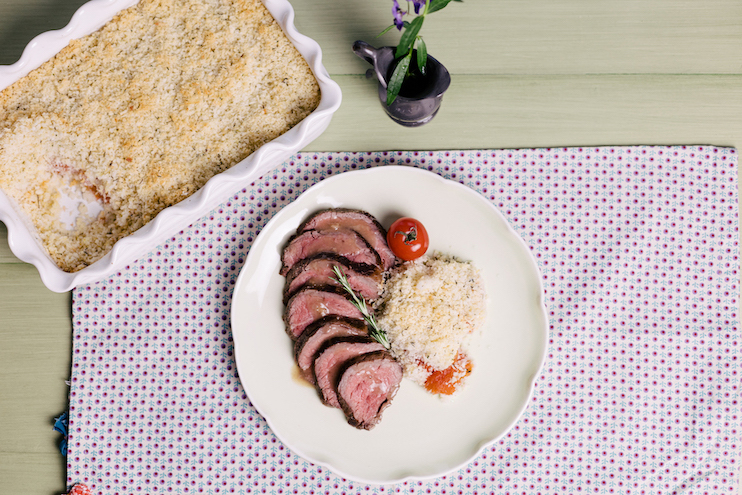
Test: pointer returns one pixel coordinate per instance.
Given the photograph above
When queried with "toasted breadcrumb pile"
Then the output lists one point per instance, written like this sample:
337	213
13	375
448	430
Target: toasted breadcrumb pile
140	114
429	309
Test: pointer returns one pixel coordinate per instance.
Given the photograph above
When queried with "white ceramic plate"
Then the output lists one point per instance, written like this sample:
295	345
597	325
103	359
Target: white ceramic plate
419	436
22	238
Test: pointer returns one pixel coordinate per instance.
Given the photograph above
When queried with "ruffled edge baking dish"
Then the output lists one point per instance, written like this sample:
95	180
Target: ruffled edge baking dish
22	237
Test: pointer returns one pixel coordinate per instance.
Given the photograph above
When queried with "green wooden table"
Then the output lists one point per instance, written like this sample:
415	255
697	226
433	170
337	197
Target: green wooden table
534	73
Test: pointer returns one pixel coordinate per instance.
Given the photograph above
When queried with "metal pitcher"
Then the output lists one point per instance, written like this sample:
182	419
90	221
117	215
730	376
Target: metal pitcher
419	101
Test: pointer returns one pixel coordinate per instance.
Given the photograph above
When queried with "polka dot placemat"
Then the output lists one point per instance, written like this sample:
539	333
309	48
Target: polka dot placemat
638	249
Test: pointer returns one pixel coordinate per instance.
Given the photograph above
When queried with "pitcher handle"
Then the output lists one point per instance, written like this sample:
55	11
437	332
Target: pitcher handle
370	55
365	51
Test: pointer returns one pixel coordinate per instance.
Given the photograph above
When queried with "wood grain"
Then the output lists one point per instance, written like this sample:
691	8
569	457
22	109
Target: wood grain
35	355
548	111
544	36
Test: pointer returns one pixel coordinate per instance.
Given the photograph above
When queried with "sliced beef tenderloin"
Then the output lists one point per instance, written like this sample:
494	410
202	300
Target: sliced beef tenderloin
366	386
317	270
358	220
312	303
330	358
343	242
319	332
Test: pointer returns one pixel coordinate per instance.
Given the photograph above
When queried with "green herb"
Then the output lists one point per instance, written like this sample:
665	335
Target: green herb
409	40
359	302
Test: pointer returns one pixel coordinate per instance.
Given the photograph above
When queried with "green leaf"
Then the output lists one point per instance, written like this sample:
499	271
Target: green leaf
395	82
405	25
422	55
385	31
436	5
409	36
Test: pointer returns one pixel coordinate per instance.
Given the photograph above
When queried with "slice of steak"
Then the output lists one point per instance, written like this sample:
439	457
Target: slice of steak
330	358
319	332
343	242
366	386
358	220
317	270
312	303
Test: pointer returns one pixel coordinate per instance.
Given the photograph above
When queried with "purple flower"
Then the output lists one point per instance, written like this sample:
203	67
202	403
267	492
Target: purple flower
397	12
418	4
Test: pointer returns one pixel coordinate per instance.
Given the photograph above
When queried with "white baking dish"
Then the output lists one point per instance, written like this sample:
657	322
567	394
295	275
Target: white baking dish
22	237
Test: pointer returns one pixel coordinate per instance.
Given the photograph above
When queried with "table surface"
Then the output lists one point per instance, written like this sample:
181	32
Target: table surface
525	74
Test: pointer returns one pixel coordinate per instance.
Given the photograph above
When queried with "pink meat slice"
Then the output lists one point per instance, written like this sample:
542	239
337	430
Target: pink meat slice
365	279
366	387
310	304
358	220
319	332
343	242
330	359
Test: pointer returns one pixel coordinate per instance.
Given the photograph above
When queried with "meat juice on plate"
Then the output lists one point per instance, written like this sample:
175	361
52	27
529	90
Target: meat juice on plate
365	307
333	346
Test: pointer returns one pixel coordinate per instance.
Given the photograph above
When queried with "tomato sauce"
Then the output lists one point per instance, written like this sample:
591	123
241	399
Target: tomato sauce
447	381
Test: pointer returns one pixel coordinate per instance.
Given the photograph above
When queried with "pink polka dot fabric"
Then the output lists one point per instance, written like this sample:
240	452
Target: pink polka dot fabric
638	249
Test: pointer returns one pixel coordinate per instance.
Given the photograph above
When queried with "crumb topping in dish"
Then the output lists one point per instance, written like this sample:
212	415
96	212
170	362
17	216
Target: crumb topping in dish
139	115
429	309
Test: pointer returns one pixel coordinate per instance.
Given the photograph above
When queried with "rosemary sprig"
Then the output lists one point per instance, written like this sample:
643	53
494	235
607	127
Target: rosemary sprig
359	302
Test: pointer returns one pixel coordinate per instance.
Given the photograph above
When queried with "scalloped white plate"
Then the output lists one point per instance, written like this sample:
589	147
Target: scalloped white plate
22	238
419	436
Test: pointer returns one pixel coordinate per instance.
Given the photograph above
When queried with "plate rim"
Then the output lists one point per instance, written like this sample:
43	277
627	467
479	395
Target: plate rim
278	217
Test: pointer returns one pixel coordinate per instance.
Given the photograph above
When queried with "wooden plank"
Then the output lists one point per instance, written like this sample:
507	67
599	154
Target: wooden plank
35	350
6	255
487	37
21	20
544	36
42	474
547	111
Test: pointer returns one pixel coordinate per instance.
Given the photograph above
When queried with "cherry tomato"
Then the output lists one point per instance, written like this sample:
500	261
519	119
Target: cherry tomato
407	238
